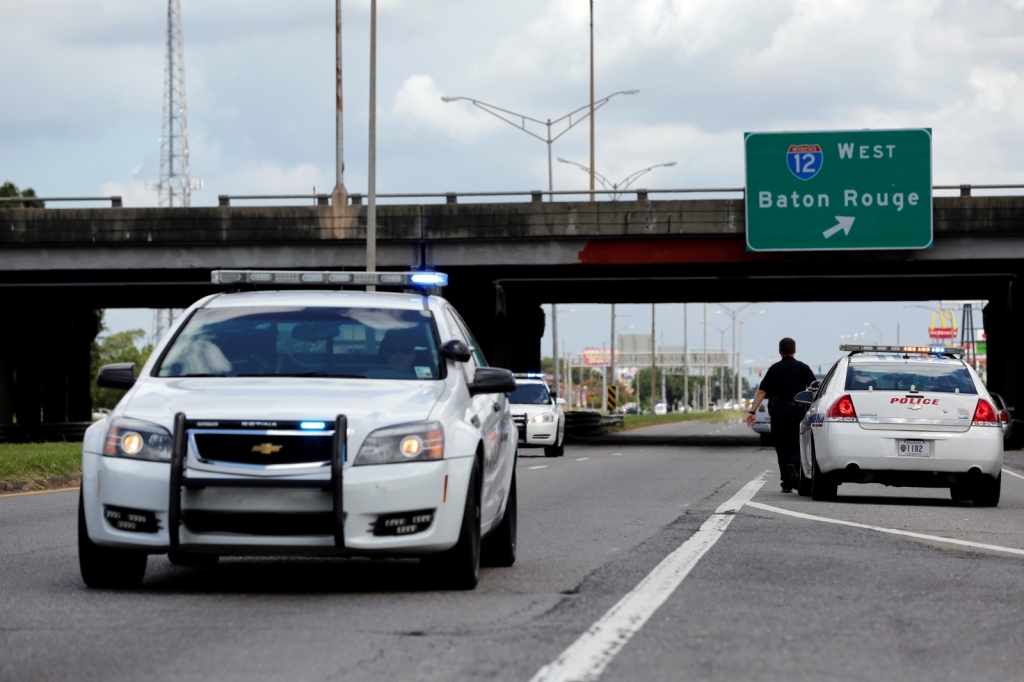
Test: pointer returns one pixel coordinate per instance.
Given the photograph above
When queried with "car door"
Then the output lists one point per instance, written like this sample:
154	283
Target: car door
492	411
814	420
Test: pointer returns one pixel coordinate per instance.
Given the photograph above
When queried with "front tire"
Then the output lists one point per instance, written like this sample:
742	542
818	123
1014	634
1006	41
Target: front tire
103	567
499	548
985	493
554	450
823	488
459	567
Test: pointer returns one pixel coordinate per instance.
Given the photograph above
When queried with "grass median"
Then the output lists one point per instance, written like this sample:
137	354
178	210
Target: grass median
637	421
39	461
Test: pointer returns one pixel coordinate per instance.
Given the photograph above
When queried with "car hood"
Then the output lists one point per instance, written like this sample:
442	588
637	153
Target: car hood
368	403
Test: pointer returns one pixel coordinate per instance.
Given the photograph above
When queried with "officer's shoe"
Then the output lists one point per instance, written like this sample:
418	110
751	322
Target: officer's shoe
792	476
786	488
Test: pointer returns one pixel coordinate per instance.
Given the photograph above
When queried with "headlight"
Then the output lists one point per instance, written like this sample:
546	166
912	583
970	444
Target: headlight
419	442
543	417
137	439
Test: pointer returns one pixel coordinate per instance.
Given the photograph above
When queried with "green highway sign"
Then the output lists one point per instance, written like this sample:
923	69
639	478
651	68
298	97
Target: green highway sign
824	191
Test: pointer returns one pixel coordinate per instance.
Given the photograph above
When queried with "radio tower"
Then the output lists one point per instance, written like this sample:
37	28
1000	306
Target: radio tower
174	187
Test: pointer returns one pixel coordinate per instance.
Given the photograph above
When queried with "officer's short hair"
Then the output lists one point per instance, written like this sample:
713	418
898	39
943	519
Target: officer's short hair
787	346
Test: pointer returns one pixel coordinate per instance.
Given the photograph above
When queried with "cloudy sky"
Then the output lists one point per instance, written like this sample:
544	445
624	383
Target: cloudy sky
83	79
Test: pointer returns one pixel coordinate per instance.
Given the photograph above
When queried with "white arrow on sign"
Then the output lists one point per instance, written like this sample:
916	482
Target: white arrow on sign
845	223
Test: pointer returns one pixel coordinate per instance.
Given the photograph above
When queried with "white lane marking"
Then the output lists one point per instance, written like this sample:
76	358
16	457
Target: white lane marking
1007	471
891	531
542	466
619	454
40	492
582	459
588	656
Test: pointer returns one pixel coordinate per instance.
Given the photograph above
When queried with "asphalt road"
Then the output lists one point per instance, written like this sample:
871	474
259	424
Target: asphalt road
776	597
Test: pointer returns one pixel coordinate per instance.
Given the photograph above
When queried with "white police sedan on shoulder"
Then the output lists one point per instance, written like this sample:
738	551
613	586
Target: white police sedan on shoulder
305	422
902	416
538	415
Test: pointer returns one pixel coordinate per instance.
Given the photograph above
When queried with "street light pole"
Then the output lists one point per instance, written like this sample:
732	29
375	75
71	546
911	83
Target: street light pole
591	105
371	209
740	356
339	123
654	360
554	347
706	379
686	363
611	364
612	187
881	336
511	117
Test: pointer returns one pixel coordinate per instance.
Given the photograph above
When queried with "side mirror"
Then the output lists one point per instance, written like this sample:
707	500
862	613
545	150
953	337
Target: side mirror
560	401
455	350
492	380
804	398
815	385
119	375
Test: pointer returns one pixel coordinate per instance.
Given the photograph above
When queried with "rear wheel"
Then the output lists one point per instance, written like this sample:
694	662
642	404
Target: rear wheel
499	548
105	567
459	567
804	486
823	488
960	493
985	493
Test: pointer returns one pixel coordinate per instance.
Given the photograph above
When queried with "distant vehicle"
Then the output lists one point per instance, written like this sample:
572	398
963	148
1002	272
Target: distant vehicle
902	416
1005	416
100	413
538	415
660	408
763	424
631	409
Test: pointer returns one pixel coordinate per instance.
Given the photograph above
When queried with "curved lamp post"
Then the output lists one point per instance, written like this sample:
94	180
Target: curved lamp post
615	189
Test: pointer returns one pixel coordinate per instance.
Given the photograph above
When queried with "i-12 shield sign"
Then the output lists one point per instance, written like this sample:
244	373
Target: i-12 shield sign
804	160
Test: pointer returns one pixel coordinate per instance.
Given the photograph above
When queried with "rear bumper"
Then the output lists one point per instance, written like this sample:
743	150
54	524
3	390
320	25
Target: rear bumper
980	448
761	427
369	493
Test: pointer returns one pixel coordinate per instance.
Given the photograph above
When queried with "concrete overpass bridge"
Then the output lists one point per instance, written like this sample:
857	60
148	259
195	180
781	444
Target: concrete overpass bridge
57	266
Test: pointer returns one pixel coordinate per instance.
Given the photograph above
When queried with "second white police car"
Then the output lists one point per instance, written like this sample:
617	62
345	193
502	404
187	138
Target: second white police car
305	422
902	416
538	415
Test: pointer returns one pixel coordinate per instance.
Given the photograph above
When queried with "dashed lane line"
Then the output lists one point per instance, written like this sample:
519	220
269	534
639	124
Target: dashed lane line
891	531
582	459
619	454
588	656
542	466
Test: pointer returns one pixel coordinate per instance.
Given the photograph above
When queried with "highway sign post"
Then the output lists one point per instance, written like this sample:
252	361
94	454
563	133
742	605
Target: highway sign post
823	191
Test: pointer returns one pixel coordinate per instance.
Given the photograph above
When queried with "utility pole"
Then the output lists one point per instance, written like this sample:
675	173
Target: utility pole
612	382
654	361
591	104
371	209
686	363
557	375
339	123
706	375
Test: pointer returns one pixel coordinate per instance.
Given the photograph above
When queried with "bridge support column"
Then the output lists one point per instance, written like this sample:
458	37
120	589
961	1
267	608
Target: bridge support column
1004	324
508	328
46	368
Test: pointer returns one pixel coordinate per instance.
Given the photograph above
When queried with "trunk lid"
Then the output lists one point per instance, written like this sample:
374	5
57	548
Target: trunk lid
919	411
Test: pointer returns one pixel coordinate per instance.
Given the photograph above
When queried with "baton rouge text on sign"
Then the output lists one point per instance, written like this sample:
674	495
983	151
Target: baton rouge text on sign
867	189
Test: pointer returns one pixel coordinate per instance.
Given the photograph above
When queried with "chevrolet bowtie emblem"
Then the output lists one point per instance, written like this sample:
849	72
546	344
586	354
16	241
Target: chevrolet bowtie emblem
914	407
266	448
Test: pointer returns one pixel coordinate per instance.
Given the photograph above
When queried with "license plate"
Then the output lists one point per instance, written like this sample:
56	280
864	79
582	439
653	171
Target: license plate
914	448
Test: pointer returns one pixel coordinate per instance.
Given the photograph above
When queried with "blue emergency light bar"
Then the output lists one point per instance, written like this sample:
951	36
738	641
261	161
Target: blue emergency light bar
312	426
931	350
530	375
300	277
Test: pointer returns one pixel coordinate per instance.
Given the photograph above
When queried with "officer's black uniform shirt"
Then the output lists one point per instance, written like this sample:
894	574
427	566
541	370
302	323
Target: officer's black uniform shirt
786	378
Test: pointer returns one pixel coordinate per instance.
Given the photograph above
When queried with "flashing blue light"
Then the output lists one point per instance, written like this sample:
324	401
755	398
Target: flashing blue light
313	426
432	279
939	349
535	375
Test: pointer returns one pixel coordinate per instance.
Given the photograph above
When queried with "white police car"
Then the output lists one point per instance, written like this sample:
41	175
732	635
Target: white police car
763	424
305	422
538	415
902	416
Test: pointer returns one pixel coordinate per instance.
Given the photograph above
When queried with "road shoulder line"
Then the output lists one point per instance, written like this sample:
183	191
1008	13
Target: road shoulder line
891	531
40	492
588	656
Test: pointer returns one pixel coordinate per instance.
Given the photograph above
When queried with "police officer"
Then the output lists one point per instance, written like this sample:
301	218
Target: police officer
780	384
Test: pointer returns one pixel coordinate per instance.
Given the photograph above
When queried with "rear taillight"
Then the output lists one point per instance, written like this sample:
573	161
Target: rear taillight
842	410
985	414
1004	416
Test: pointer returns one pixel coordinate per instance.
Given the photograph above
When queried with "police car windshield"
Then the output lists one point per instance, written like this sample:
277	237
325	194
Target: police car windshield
932	377
530	394
368	343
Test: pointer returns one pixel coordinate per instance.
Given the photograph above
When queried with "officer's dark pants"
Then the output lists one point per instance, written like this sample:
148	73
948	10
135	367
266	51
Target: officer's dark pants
786	435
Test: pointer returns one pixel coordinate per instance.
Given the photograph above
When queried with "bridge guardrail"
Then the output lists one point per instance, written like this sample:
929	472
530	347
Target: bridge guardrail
17	202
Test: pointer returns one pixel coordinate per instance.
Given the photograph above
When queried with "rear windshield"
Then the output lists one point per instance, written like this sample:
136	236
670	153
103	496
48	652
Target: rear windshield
919	376
530	394
366	343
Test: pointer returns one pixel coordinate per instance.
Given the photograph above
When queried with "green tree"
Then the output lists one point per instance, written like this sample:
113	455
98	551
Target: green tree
9	189
119	347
